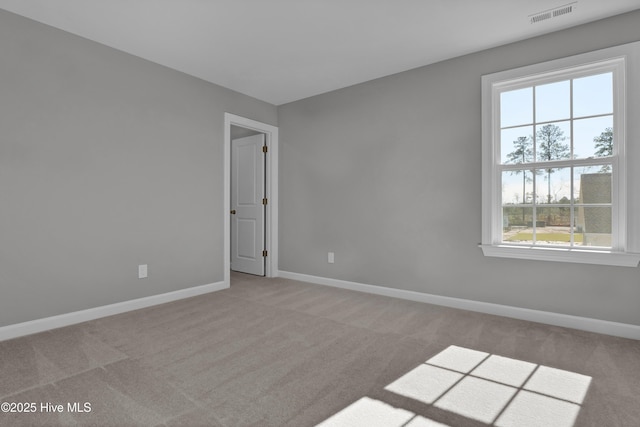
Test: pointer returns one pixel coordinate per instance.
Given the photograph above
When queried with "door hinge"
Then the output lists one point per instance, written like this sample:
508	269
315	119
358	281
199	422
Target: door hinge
265	253
264	149
265	201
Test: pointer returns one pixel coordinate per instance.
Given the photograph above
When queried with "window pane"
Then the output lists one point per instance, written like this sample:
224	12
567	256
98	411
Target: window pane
592	184
553	141
517	187
553	101
594	226
516	145
593	137
553	185
516	107
593	95
553	226
516	223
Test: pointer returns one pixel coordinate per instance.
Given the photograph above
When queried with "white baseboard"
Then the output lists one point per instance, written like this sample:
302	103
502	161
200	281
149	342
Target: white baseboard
575	322
53	322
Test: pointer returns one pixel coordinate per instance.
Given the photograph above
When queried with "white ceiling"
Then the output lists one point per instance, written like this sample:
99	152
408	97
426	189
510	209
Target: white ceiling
284	50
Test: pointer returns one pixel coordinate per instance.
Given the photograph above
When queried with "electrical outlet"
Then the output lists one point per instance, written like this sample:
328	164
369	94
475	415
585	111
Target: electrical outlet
143	271
330	258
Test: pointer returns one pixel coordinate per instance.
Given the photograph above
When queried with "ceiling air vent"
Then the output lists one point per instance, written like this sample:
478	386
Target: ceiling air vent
540	17
563	10
552	13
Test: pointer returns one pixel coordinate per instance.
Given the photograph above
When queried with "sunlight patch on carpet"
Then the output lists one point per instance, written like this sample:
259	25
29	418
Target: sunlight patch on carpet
495	390
560	384
368	412
533	410
458	359
425	383
478	399
505	370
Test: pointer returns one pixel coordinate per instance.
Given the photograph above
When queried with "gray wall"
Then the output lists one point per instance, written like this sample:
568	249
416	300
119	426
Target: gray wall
387	175
107	161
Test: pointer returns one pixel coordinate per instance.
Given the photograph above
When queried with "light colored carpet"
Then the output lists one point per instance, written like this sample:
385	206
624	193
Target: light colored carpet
275	352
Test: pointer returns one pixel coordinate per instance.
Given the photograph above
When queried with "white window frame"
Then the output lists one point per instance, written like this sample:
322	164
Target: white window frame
624	62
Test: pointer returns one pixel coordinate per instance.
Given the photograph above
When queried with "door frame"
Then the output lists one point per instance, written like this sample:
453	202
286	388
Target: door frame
271	192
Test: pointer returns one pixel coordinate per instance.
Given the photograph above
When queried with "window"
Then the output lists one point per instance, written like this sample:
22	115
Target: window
554	152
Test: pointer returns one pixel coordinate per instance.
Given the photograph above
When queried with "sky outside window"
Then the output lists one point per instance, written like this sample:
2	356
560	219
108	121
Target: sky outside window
592	96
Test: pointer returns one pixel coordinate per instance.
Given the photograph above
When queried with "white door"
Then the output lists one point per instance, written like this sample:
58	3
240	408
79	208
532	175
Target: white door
247	208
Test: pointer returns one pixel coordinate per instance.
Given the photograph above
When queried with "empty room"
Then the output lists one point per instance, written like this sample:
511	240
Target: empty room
320	213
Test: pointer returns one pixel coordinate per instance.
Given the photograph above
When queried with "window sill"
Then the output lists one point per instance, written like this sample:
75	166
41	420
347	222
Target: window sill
582	256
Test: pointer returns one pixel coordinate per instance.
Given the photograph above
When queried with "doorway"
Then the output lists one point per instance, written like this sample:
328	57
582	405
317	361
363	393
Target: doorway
237	127
248	201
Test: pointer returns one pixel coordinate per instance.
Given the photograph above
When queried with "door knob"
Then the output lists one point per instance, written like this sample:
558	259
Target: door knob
233	212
